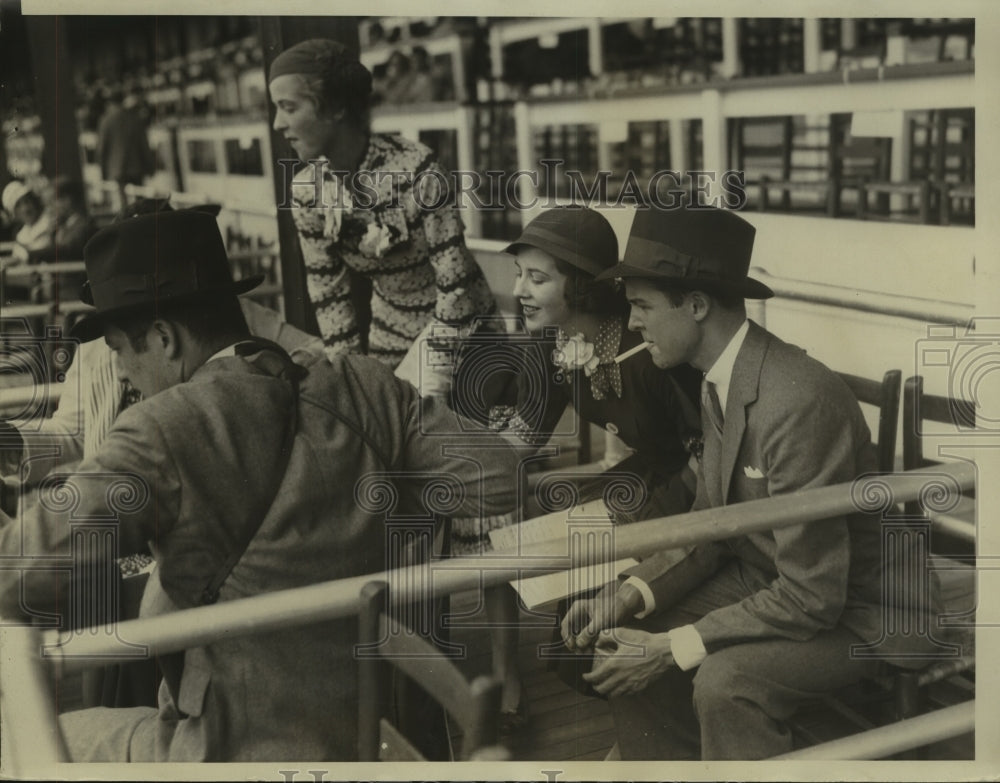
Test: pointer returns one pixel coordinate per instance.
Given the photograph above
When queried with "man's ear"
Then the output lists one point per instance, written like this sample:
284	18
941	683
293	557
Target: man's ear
169	337
699	304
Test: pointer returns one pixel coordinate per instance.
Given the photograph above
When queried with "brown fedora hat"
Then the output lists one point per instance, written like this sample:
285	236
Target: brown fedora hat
146	262
578	235
702	248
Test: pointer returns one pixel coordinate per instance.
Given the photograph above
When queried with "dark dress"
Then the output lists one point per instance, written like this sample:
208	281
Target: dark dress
656	414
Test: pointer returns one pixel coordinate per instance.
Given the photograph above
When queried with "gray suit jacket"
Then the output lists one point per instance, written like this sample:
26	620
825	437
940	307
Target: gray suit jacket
791	424
208	451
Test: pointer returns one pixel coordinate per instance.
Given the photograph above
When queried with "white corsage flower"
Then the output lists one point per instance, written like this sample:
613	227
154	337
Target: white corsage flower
375	241
575	353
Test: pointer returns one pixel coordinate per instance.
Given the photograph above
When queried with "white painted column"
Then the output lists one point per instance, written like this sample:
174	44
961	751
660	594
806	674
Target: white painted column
458	72
596	55
496	52
900	144
678	151
730	47
527	191
812	42
713	134
465	130
848	34
603	150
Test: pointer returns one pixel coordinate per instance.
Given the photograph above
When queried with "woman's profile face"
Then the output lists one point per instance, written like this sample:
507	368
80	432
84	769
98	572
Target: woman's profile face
540	288
297	117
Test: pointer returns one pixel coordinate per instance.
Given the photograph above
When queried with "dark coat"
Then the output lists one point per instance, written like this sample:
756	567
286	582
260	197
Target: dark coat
123	148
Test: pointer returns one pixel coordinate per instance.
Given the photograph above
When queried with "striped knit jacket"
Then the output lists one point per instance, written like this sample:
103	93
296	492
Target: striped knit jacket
386	225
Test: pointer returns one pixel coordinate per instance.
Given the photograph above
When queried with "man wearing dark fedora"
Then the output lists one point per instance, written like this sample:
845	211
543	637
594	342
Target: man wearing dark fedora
245	468
736	633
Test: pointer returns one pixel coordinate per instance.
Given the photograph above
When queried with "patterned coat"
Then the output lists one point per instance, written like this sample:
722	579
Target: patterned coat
386	226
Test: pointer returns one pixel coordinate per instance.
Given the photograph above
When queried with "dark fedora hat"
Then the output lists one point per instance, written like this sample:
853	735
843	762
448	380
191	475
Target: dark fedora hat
704	248
578	235
151	261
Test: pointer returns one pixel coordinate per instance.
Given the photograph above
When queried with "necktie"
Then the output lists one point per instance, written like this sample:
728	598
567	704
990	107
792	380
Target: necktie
606	379
710	401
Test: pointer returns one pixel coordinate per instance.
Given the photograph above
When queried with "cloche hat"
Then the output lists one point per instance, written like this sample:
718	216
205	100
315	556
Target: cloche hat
578	235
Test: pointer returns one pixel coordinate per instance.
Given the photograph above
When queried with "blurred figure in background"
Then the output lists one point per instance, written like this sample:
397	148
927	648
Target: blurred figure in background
421	88
26	207
122	146
72	227
398	78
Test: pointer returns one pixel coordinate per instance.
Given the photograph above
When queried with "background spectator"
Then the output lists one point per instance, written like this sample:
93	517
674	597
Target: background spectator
122	146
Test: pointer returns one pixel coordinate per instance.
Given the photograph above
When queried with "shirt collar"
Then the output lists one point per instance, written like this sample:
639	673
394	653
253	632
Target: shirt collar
721	372
229	350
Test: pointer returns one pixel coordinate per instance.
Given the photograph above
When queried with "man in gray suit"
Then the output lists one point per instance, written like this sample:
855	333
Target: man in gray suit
252	465
736	633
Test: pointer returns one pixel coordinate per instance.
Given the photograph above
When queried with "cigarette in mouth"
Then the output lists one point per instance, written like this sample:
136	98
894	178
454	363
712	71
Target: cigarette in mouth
632	352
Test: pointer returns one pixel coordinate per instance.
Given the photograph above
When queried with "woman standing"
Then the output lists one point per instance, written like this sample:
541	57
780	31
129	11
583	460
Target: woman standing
374	204
653	411
365	202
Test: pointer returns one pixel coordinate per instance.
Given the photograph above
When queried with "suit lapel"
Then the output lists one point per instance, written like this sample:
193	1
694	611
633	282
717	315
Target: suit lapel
742	392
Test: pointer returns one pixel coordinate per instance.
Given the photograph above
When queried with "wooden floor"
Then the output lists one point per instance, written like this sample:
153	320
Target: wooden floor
563	725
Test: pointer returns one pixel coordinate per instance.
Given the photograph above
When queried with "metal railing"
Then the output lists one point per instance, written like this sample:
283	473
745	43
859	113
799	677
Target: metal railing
892	305
340	598
895	738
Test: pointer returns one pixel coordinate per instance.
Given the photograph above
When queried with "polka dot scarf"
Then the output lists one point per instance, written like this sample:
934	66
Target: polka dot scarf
607	378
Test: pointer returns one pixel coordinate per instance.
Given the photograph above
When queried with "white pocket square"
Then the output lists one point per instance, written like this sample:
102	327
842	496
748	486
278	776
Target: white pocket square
752	473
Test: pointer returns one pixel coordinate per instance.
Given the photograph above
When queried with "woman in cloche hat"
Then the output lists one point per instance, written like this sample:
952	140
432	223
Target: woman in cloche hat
598	365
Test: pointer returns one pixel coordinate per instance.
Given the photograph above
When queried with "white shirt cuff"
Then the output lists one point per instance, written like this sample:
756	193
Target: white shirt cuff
686	647
648	601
